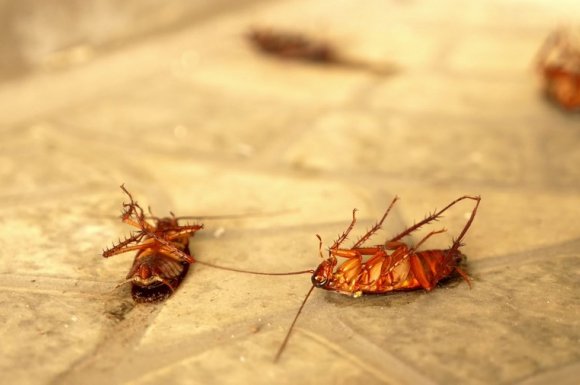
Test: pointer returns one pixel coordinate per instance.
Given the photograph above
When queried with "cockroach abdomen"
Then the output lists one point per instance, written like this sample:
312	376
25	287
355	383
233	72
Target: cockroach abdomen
158	291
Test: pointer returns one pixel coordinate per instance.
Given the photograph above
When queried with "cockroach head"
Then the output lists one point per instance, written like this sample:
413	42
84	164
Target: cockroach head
323	272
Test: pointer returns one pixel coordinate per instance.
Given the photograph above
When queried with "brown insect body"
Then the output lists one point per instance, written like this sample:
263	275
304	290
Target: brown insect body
163	255
403	269
155	275
392	266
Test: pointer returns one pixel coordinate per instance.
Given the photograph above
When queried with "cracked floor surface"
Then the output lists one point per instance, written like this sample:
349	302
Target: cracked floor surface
194	121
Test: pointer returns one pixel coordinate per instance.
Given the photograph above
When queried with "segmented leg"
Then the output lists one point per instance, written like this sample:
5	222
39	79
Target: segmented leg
124	247
183	230
414	249
176	254
463	275
342	237
457	242
376	227
436	216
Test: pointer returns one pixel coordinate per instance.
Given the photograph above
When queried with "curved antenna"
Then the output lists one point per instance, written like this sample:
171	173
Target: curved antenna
285	342
320	246
252	272
237	216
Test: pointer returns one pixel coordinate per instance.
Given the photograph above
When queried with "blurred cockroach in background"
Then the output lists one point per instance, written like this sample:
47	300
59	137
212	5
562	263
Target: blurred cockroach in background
299	47
392	266
292	46
559	65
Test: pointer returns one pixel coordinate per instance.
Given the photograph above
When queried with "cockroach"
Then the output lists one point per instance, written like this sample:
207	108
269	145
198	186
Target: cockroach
163	255
292	46
296	46
559	65
392	266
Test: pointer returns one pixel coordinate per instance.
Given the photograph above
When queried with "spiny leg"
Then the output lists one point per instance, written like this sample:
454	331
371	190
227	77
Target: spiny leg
376	227
176	254
183	230
430	218
414	249
123	246
457	242
342	237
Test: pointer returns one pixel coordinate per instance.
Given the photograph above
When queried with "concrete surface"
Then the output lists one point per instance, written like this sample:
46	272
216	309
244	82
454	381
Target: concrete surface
193	120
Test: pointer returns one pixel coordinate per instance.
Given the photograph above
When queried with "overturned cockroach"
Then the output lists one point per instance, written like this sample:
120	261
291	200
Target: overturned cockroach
559	64
295	46
163	256
392	266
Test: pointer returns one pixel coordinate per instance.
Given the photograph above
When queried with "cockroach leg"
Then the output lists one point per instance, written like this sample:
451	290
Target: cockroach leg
344	235
427	237
457	242
464	275
122	248
431	218
377	226
176	254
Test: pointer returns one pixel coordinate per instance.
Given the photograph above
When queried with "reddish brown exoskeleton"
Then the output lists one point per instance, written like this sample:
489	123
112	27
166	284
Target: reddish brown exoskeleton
163	256
295	46
559	63
392	266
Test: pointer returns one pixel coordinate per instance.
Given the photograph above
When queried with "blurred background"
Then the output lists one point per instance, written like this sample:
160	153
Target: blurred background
344	104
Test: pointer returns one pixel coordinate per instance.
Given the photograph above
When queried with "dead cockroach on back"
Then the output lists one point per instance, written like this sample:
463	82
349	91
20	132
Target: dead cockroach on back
163	256
392	266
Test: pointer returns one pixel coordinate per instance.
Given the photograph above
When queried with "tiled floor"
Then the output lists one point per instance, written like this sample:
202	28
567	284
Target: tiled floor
196	122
